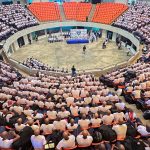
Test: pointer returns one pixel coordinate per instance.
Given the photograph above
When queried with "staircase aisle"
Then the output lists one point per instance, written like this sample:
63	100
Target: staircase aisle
62	13
138	112
92	12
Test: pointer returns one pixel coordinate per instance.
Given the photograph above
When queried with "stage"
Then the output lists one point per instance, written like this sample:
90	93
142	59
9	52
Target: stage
77	41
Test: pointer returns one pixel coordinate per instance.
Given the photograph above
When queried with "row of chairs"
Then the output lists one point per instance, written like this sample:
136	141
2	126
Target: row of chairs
104	13
107	12
77	11
45	11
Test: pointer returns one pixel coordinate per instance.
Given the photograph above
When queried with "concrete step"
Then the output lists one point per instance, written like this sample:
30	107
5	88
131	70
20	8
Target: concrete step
92	12
62	13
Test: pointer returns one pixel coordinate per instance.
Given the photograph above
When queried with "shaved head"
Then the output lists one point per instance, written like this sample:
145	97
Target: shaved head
121	147
4	135
19	121
36	132
85	133
46	121
66	135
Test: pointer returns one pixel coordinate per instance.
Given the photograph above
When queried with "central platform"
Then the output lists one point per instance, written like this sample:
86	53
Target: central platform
65	55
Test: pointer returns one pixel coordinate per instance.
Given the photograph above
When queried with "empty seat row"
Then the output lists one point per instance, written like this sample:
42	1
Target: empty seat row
107	12
77	11
45	11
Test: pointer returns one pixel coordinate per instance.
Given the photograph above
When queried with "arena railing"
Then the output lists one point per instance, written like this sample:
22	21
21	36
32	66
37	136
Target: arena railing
96	71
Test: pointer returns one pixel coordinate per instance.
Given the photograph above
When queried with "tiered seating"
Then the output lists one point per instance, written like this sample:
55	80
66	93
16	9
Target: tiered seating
41	108
45	11
83	10
133	81
136	20
13	18
106	13
77	11
70	10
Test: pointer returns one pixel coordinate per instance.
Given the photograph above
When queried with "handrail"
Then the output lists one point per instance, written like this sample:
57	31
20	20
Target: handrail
100	71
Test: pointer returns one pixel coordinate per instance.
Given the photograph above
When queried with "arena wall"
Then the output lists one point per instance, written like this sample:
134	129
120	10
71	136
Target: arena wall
12	41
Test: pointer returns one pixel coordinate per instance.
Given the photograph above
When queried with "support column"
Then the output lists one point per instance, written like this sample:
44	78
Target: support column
104	34
13	47
30	36
114	36
16	46
45	32
26	41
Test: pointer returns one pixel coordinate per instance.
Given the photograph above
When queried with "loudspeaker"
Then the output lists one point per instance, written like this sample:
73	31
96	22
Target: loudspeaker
96	1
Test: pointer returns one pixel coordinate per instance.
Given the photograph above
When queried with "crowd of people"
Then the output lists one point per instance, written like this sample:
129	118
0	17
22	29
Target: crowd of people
133	82
73	112
33	63
65	112
136	20
13	18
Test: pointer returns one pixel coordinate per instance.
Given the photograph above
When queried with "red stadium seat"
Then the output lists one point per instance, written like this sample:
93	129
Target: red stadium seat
45	11
77	11
106	13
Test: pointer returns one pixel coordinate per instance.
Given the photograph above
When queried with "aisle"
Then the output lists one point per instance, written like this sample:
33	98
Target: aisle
138	112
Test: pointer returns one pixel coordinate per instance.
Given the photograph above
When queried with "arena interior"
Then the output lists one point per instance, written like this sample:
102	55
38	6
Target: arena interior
75	75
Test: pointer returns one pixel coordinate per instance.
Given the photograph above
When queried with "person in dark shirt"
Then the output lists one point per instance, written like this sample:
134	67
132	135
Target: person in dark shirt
73	69
84	49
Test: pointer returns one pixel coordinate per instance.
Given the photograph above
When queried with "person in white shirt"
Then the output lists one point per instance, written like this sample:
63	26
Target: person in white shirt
96	121
19	126
60	124
142	130
32	124
52	114
121	130
63	113
84	110
120	105
108	119
5	142
47	128
74	110
68	141
84	139
84	123
69	100
38	115
72	126
38	141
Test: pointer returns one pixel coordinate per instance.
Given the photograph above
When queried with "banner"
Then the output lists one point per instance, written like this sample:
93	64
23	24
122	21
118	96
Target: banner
78	34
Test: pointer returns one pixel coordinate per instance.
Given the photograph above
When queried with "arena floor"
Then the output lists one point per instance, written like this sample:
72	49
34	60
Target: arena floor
64	55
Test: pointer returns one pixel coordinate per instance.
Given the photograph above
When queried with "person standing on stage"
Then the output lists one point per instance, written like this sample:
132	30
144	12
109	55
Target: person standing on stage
119	45
73	69
84	49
